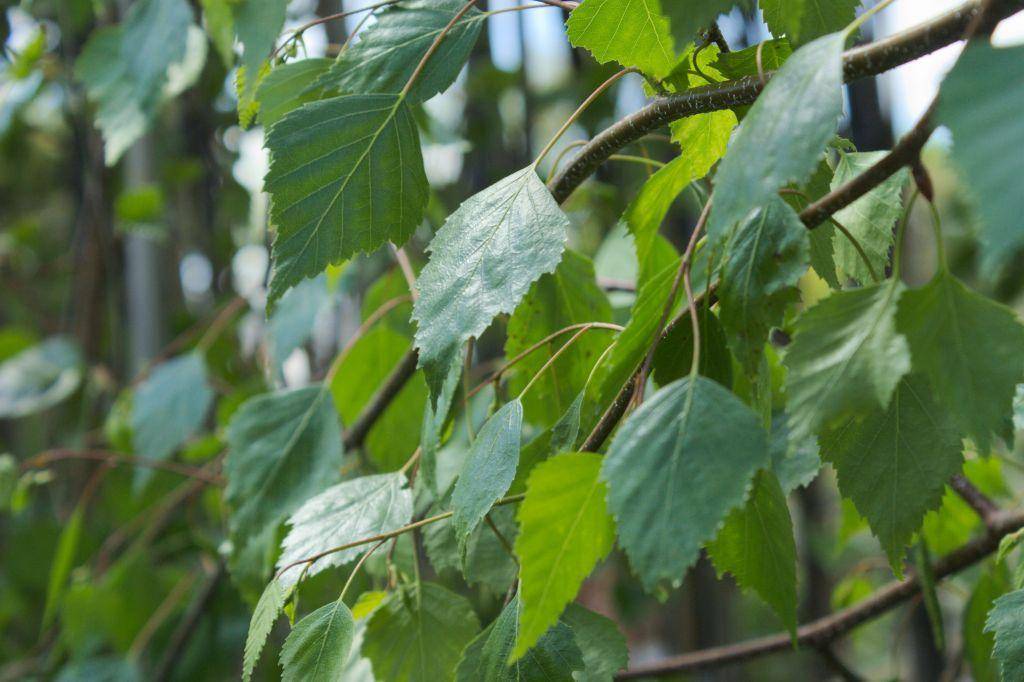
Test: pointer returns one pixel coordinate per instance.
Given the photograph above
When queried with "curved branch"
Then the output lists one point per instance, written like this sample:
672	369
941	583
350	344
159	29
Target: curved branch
859	62
829	628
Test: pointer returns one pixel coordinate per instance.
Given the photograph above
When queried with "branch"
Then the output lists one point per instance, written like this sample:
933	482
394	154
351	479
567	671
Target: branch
859	62
905	153
825	630
977	500
353	438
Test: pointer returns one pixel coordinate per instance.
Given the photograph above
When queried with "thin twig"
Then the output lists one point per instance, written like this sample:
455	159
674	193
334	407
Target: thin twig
684	267
433	48
118	459
498	373
402	258
579	110
511	499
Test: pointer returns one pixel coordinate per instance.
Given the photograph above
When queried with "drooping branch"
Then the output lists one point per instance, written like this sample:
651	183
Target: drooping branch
825	630
859	62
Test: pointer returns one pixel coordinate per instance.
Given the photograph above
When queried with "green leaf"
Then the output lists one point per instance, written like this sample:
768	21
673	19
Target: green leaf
647	210
674	355
487	561
740	63
283	448
369	362
292	322
268	608
805	20
353	510
846	358
434	418
1006	622
631	32
894	463
603	646
765	257
124	69
565	529
689	17
389	50
971	349
981	100
870	219
677	466
566	430
483	261
569	295
285	88
633	342
345	176
220	27
704	137
39	377
317	648
489	469
794	463
63	562
783	135
169	407
258	24
977	643
555	656
419	637
756	546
